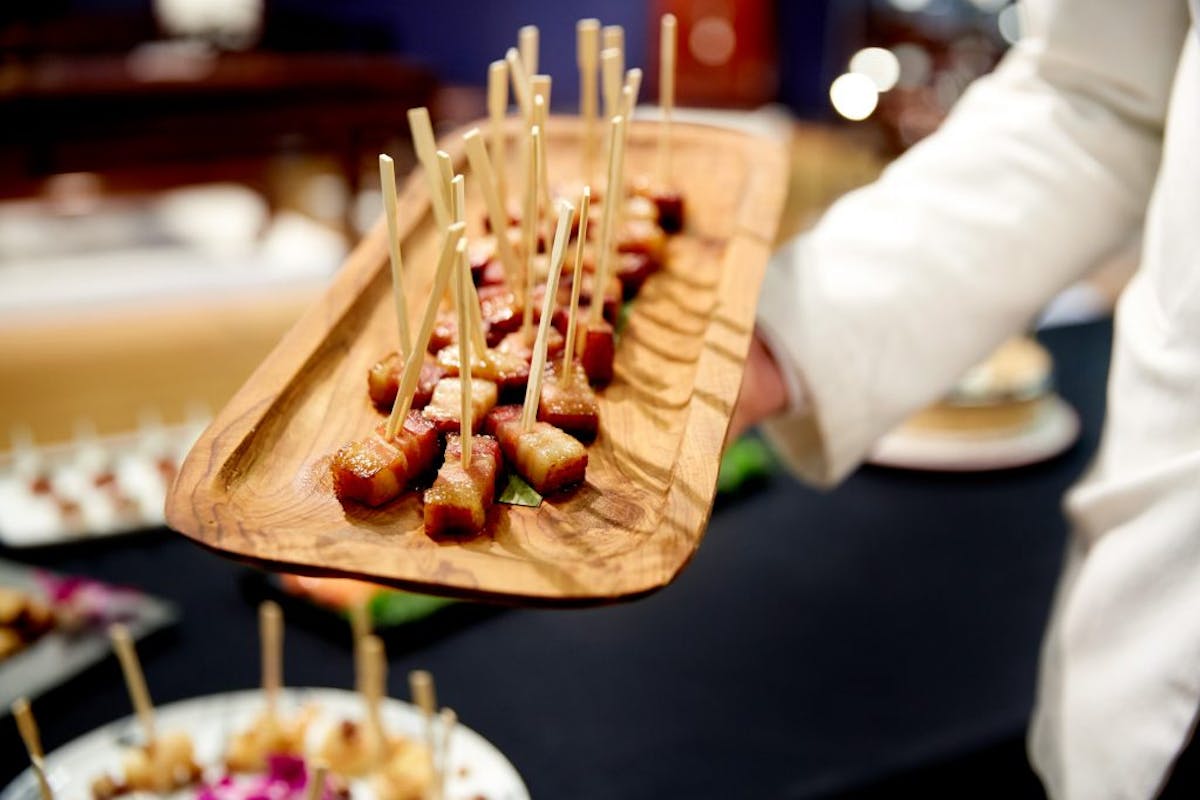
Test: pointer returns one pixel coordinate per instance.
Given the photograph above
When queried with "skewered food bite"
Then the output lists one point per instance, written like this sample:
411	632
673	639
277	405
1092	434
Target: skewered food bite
444	411
571	404
163	762
459	500
384	379
506	369
550	460
377	469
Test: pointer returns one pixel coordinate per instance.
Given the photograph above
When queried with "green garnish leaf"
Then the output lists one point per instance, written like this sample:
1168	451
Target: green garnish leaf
519	493
623	315
745	460
393	607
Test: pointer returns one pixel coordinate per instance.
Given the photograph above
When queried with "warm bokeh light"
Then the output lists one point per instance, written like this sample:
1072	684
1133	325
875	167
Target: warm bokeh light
854	96
878	64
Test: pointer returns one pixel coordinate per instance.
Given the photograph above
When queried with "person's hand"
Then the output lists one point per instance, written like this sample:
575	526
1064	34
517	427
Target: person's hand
763	393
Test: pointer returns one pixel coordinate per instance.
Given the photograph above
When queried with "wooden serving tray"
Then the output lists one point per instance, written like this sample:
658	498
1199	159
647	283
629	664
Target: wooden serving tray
256	486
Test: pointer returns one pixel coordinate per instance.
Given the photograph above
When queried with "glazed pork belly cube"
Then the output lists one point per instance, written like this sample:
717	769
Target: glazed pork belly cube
612	298
509	371
571	407
445	331
550	460
501	309
374	470
632	271
383	381
459	500
445	409
596	346
670	210
515	344
642	236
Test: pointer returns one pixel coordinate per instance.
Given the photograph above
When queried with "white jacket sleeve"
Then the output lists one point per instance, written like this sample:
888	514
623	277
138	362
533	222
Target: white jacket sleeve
1042	168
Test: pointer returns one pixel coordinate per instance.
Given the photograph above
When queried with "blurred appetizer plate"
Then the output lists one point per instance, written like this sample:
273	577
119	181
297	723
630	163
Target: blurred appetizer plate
257	485
67	649
89	488
1053	429
478	770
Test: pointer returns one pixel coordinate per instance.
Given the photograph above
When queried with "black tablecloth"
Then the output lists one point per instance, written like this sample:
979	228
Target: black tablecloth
818	641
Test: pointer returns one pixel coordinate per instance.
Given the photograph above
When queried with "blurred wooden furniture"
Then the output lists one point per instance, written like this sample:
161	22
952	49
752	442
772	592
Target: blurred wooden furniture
166	114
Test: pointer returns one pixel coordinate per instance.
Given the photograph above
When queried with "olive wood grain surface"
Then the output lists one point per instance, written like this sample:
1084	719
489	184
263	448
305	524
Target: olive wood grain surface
256	486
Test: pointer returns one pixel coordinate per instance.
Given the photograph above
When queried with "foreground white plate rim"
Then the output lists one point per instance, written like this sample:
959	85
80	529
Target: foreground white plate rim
212	719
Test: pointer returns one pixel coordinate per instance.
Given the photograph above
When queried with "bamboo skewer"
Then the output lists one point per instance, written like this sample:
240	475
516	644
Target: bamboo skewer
270	623
466	415
527	42
629	94
375	664
614	39
667	37
360	627
541	110
576	280
587	56
446	178
533	391
493	198
423	143
387	184
135	681
27	727
529	230
449	721
412	367
612	199
424	695
316	781
520	83
474	324
498	112
611	74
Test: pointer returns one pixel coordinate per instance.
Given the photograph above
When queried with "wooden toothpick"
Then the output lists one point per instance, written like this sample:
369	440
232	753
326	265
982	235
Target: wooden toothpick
614	39
270	624
537	368
387	183
527	42
449	721
412	367
466	416
529	228
629	94
667	37
498	137
135	681
316	781
493	198
541	110
612	199
27	727
610	69
576	279
375	661
360	626
587	57
425	147
520	83
424	695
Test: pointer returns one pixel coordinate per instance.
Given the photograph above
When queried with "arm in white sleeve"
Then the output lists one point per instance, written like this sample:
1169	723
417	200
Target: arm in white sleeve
1042	168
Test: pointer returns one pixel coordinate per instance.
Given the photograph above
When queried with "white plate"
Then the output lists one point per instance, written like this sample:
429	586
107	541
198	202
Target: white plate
477	769
1053	430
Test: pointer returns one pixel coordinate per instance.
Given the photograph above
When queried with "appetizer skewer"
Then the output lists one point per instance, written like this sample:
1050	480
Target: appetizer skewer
465	488
270	734
376	469
27	727
163	763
